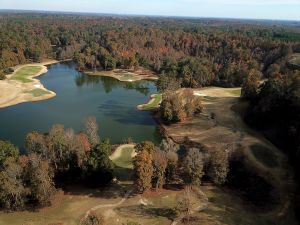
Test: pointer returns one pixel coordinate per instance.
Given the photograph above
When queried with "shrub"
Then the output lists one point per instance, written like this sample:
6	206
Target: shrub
176	107
94	218
2	76
8	70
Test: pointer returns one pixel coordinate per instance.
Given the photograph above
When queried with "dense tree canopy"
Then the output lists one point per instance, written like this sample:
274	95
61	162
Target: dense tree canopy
196	52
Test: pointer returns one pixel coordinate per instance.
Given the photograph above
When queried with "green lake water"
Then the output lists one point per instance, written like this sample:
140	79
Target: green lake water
112	102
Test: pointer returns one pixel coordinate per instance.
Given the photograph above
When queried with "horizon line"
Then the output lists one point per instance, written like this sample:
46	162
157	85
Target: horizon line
146	15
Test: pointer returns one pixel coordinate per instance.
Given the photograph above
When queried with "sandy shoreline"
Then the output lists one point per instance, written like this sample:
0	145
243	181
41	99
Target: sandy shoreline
15	92
125	75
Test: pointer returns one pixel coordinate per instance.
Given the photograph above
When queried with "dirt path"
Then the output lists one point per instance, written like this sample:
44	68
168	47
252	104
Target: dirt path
112	205
204	204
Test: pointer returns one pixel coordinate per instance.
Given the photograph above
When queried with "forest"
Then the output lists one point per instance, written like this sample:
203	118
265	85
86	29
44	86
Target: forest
184	53
194	52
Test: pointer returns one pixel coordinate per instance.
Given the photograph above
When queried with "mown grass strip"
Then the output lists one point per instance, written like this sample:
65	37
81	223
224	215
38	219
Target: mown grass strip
153	103
24	73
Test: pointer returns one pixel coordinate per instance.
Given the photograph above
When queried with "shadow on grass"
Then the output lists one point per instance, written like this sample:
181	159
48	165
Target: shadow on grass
110	191
148	211
264	155
123	174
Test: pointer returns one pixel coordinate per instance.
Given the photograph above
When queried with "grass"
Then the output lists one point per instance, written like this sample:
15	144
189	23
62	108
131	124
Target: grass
295	60
264	155
67	209
236	92
125	159
38	92
153	103
24	73
128	77
124	163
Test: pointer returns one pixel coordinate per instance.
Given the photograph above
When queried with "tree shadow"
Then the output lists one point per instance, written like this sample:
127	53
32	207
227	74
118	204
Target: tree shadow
111	191
120	112
148	211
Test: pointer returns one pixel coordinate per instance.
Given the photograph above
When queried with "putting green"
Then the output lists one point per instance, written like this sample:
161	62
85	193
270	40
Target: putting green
123	156
24	73
154	103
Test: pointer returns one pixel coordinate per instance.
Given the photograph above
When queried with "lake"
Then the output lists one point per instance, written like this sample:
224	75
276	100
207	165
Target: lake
112	102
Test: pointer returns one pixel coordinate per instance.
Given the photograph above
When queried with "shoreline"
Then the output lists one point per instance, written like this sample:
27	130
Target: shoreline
15	92
143	107
124	75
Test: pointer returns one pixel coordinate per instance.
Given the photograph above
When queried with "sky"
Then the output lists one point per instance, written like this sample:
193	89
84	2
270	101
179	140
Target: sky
251	9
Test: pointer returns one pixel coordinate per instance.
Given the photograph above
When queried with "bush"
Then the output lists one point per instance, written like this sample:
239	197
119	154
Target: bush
8	70
2	76
176	107
93	218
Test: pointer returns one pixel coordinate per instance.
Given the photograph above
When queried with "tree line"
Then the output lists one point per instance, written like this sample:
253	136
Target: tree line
275	109
62	157
171	163
52	160
193	52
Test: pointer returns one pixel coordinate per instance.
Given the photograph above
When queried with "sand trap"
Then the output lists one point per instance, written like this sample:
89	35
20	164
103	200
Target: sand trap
199	94
37	86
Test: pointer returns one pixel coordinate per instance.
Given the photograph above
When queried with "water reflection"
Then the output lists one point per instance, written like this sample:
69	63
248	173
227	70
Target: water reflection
112	102
109	83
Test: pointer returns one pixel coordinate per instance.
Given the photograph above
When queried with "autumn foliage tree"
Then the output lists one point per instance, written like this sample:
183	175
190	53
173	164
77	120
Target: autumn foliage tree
143	170
177	106
160	163
193	165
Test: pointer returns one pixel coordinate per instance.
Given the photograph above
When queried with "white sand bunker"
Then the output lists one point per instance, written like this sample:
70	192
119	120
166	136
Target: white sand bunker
37	86
199	94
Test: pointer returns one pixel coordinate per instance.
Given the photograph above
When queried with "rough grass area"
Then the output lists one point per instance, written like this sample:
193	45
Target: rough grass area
66	209
154	208
264	155
38	92
120	75
294	61
236	92
127	77
25	72
153	103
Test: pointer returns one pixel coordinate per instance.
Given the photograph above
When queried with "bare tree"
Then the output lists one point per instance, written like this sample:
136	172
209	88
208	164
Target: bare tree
91	129
160	163
185	203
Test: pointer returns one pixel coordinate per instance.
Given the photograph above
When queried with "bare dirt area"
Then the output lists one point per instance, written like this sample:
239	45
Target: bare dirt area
14	91
220	126
126	75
